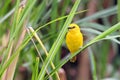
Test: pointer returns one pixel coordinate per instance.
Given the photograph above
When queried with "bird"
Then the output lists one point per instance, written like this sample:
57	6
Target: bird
74	39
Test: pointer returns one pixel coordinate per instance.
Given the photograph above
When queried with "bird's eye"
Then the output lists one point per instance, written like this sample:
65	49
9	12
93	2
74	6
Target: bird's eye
71	27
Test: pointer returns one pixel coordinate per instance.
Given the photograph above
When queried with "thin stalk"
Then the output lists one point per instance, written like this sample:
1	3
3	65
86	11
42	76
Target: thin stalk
38	54
42	45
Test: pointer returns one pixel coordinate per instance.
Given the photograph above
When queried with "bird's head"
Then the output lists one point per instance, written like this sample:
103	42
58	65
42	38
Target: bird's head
73	28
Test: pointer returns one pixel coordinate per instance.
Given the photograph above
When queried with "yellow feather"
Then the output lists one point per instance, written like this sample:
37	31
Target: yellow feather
74	39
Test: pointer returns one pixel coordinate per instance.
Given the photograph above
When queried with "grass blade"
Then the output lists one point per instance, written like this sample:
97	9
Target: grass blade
58	41
93	64
96	39
101	14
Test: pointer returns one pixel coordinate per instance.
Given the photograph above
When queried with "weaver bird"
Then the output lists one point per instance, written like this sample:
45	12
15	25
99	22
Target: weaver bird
74	39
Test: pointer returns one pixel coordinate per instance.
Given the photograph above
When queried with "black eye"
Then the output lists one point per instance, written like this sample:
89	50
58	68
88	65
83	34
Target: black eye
71	27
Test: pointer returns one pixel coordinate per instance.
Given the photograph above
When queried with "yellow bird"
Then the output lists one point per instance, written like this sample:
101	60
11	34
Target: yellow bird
74	39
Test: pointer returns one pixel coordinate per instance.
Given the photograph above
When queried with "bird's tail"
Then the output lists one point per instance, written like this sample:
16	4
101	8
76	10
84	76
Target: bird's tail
73	59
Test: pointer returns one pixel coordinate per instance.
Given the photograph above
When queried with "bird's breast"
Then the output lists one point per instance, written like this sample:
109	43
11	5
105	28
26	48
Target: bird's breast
74	41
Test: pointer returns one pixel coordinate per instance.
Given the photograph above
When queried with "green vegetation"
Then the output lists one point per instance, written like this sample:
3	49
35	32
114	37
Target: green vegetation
32	38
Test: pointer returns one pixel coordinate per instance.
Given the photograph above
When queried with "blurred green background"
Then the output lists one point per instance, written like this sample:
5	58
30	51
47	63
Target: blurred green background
100	61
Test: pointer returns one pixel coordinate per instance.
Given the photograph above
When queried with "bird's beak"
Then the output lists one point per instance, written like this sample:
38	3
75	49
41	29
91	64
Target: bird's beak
69	28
